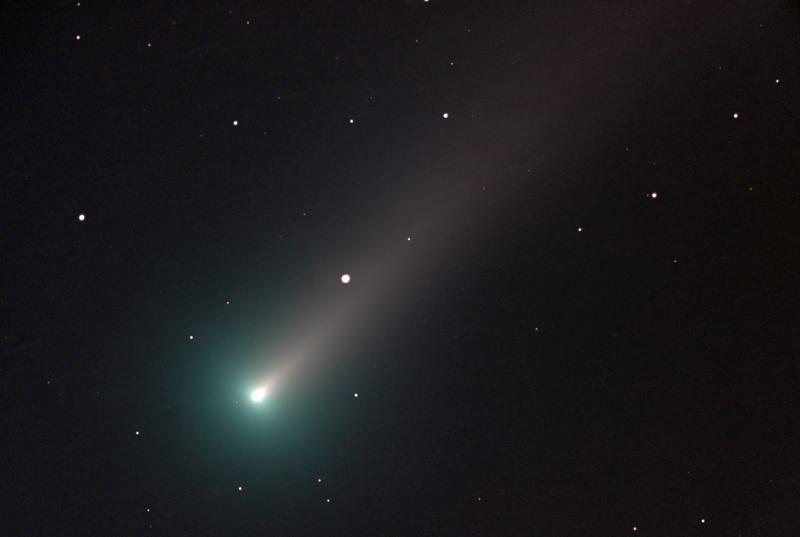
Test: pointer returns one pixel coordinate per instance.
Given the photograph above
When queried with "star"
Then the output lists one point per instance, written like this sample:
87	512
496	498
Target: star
235	122
355	395
445	115
735	115
653	195
327	500
580	229
137	433
240	488
345	279
352	121
78	37
81	217
191	338
319	480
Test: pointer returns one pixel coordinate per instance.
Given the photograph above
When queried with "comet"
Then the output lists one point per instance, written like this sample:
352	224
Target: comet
259	394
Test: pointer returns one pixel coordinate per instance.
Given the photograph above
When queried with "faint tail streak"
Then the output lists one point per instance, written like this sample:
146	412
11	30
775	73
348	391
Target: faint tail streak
456	182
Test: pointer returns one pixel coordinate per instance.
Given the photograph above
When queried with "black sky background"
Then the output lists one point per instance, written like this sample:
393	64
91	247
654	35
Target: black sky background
523	377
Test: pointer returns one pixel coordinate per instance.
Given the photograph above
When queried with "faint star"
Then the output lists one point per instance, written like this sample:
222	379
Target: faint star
240	488
735	115
78	37
635	528
328	500
137	433
777	80
352	121
408	238
702	521
355	395
319	480
227	302
191	338
580	229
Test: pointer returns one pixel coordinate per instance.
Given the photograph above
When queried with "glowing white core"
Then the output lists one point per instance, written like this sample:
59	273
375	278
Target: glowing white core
345	278
258	394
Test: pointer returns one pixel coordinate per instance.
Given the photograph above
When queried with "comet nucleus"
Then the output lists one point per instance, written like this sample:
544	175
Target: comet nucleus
258	394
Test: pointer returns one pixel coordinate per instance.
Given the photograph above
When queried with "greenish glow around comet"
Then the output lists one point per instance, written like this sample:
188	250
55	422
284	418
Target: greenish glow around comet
258	394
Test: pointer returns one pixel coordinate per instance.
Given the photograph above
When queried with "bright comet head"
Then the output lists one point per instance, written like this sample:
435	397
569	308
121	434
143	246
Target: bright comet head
258	394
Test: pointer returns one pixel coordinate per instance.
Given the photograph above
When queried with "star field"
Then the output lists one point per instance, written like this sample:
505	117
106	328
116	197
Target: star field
402	268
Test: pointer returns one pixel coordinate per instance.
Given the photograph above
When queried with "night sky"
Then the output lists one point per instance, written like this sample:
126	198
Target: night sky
507	268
